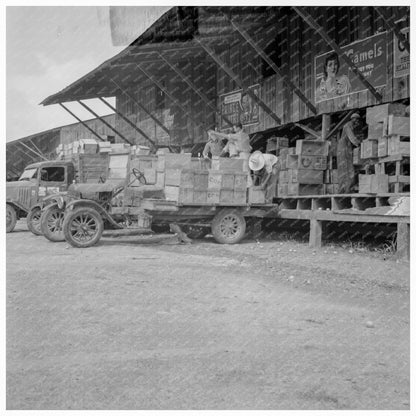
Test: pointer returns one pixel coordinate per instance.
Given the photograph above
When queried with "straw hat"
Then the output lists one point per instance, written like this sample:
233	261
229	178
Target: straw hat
256	161
355	115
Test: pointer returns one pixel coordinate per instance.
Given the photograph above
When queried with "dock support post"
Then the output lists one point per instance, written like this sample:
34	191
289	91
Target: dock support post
315	233
403	240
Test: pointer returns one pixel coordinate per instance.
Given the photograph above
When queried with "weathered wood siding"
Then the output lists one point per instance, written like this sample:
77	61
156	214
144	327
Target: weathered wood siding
297	45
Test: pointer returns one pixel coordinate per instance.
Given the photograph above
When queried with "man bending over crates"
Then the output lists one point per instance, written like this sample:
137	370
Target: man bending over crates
266	168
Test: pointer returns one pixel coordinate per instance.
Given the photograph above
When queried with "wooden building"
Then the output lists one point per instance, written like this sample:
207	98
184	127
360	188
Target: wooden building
197	68
42	146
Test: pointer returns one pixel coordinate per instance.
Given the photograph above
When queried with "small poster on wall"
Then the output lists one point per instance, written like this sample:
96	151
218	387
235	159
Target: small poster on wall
334	78
401	56
238	106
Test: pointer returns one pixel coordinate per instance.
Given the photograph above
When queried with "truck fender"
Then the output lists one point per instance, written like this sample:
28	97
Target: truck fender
19	208
92	204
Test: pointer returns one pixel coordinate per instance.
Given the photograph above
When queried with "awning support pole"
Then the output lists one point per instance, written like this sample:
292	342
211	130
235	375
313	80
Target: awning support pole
156	120
314	25
37	148
394	28
272	65
160	86
129	122
36	153
104	122
82	122
203	97
238	81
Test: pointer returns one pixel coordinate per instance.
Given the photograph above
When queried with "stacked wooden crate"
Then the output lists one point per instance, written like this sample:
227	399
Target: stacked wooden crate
277	145
388	141
191	181
303	173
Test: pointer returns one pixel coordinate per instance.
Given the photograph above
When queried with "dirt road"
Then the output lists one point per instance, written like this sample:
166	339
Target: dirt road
130	324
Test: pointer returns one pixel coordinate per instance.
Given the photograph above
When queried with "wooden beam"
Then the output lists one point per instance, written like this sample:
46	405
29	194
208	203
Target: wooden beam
203	97
326	124
128	95
340	124
37	148
403	241
238	81
275	68
392	26
308	130
33	151
104	122
82	122
128	121
314	25
315	233
165	91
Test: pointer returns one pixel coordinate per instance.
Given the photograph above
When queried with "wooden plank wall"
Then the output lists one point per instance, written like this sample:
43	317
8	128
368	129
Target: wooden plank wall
298	46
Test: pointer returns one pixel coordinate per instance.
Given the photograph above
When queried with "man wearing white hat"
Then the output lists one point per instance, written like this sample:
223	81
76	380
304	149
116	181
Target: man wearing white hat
267	166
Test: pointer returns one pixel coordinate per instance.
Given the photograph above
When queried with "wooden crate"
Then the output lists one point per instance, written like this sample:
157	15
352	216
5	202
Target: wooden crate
312	162
213	196
373	184
240	196
382	146
177	161
150	175
282	189
200	197
228	164
291	150
283	176
356	156
306	176
256	195
292	161
240	181
201	180
304	189
172	193
214	179
227	180
375	131
227	196
378	113
369	149
398	126
274	144
312	147
397	146
173	177
160	179
198	163
187	178
186	195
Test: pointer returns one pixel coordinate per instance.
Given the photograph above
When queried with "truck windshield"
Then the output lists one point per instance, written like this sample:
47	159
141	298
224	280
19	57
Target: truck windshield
28	174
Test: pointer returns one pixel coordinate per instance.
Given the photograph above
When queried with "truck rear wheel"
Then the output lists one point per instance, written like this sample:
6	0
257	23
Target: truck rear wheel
228	226
83	227
11	218
51	223
33	221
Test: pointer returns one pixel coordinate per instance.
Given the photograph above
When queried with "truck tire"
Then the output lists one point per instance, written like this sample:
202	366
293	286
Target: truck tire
228	227
83	227
51	223
33	221
11	218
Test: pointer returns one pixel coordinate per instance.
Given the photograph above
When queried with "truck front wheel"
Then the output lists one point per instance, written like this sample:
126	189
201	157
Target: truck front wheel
33	221
51	223
11	218
228	226
83	227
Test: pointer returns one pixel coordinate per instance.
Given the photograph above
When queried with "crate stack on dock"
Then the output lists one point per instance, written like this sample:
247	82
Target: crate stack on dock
387	148
302	171
194	181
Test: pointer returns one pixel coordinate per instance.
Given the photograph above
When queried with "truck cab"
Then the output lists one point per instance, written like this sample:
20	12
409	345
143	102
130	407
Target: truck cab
37	181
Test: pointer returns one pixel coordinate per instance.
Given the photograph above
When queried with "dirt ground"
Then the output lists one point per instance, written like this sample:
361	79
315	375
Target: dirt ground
133	323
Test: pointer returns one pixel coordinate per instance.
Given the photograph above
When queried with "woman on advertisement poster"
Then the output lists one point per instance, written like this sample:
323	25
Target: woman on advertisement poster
332	85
